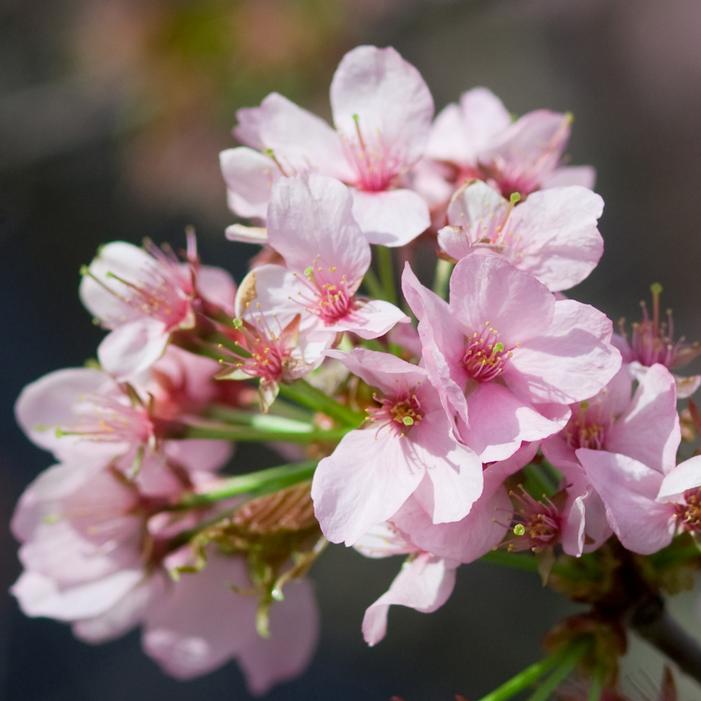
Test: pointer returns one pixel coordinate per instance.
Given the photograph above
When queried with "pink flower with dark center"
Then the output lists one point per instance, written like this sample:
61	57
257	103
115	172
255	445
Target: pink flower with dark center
477	139
144	295
407	442
644	507
552	235
311	225
505	355
382	112
652	342
537	525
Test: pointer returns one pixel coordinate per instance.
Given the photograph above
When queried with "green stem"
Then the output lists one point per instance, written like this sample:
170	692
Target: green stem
596	687
525	563
537	482
258	483
566	663
309	396
441	278
247	434
524	679
385	267
373	285
265	422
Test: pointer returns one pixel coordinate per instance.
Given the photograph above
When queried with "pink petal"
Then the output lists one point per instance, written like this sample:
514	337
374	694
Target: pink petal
125	261
351	495
686	475
126	614
468	539
217	287
391	217
389	97
299	140
499	422
476	213
249	178
442	342
200	455
486	288
384	371
571	361
424	584
310	223
453	470
294	632
557	238
201	623
649	429
40	596
132	348
53	401
628	489
372	319
461	132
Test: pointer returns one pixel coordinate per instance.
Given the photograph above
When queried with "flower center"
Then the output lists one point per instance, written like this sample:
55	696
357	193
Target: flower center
400	413
537	524
689	514
485	355
587	428
375	165
329	295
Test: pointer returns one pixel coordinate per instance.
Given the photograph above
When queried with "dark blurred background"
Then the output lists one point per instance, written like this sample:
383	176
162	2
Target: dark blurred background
112	113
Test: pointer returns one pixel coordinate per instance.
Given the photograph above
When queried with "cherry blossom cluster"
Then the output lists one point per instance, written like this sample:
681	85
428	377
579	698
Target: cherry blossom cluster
489	416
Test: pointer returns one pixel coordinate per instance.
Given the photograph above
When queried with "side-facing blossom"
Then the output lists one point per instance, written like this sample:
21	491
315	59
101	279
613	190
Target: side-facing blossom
433	551
645	507
84	413
641	423
311	225
382	112
552	235
209	618
476	138
407	442
652	342
506	356
143	295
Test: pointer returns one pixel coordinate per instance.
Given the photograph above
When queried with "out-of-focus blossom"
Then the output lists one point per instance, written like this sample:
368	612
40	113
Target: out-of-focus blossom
382	112
477	139
652	341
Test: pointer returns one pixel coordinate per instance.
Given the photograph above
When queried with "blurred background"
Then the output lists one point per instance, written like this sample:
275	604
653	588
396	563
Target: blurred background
112	113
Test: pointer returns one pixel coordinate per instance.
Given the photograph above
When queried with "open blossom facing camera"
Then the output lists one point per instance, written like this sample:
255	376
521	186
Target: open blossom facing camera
382	112
503	423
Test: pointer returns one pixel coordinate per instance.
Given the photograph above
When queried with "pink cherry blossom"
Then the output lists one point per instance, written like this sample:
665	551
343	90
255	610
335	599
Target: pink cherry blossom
382	113
204	622
477	139
652	341
506	356
551	235
144	295
83	413
311	226
642	424
644	507
83	536
408	440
